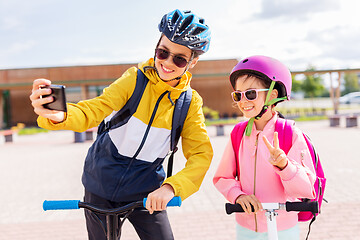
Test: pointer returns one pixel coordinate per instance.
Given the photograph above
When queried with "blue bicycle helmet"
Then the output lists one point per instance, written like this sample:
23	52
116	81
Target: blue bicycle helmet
187	29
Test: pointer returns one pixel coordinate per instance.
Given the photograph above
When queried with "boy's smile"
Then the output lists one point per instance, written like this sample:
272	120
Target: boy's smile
166	68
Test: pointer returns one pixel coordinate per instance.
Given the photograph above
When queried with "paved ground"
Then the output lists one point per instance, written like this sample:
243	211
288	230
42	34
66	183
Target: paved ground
49	166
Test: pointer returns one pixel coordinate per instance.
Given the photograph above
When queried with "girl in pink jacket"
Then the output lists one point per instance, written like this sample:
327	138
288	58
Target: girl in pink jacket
264	173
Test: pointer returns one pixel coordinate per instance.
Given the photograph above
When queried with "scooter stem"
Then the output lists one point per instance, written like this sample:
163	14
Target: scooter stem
271	224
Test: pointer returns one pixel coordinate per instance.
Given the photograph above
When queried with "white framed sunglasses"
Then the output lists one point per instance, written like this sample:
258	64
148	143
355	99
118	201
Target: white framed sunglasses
250	94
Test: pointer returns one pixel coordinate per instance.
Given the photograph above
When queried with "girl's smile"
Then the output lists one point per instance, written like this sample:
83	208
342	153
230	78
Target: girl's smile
250	108
249	87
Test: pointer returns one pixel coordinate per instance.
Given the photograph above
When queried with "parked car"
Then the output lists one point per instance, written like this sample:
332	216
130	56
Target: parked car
353	97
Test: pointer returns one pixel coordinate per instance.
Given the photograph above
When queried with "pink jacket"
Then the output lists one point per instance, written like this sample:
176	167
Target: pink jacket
268	183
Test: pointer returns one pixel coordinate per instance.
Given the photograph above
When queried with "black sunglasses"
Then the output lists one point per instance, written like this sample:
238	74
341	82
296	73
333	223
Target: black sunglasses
178	60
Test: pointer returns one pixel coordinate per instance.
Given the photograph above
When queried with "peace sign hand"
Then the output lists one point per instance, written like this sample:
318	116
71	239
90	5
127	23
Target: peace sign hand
277	155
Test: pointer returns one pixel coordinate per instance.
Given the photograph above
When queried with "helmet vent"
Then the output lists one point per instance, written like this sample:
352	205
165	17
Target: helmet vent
201	20
175	18
274	77
245	60
198	30
186	23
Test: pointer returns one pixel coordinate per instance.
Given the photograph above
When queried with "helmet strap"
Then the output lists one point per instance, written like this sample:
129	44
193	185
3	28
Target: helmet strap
264	109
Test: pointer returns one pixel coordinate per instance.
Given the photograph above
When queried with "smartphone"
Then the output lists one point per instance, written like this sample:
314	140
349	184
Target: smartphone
58	93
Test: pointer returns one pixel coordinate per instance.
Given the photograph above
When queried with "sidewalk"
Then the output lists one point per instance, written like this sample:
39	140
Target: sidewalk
49	166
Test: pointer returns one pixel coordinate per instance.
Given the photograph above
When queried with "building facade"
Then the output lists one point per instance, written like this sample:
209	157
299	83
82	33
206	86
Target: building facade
210	79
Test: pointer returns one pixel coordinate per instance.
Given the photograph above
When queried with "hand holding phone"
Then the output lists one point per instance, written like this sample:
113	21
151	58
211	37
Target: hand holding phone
58	94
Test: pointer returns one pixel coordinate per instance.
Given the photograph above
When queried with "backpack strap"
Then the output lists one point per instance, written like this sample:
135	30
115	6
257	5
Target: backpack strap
236	136
124	114
284	127
182	105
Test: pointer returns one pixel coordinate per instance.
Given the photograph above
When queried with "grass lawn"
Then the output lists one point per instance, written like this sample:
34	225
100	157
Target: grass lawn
31	130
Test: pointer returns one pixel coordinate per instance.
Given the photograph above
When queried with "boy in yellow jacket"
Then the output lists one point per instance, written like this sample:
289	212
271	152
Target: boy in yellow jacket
137	147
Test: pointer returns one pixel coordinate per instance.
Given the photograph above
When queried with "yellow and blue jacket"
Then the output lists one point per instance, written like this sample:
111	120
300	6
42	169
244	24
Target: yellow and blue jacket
119	177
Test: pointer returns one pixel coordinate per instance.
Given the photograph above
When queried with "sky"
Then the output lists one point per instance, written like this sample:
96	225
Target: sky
324	34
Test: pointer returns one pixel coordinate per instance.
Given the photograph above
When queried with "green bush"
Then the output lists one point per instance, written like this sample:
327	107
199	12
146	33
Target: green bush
210	113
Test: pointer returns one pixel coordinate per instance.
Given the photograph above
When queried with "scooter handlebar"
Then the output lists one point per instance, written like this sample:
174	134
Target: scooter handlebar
288	206
302	206
60	204
74	204
174	202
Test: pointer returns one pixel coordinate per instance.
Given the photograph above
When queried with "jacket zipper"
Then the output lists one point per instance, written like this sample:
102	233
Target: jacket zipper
141	144
256	148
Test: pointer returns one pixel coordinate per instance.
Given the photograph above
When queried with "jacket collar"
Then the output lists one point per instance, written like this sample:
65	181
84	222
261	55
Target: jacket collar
269	127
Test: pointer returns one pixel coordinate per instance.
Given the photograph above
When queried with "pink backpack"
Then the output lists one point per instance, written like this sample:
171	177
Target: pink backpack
284	127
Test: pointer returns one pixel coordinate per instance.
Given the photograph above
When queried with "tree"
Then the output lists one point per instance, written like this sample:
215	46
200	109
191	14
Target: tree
296	85
351	83
313	84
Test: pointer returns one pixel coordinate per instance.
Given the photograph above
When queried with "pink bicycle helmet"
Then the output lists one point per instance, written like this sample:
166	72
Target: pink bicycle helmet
268	67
